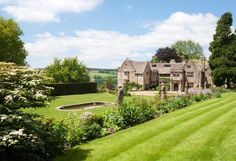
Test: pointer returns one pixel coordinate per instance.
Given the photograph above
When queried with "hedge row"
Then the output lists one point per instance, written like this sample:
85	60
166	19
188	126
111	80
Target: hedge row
73	88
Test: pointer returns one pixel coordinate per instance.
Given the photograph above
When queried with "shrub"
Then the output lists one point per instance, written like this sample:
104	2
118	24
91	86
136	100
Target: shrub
112	122
72	137
90	131
90	127
217	95
30	139
136	112
24	136
173	104
199	97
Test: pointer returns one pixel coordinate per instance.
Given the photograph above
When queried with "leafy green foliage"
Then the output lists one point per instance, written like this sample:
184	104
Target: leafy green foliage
136	112
91	126
223	48
21	87
165	55
67	70
199	97
173	104
188	49
11	46
113	121
72	135
25	136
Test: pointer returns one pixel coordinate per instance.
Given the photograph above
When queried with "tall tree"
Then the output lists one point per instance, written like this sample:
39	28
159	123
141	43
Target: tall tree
223	48
67	70
11	46
188	49
165	55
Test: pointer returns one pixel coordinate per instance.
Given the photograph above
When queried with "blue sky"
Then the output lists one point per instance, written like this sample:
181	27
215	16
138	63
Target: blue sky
102	33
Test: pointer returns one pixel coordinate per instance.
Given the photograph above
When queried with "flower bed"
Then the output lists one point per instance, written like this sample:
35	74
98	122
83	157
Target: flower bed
129	114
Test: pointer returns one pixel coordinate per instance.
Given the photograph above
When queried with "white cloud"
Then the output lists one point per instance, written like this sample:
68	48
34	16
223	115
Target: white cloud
106	48
45	10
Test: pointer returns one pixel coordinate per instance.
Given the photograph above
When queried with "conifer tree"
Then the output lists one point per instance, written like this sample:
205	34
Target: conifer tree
223	48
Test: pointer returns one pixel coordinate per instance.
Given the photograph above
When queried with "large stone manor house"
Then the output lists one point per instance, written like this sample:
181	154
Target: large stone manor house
195	73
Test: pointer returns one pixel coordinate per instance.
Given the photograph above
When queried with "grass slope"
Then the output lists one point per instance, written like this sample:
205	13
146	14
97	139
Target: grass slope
204	131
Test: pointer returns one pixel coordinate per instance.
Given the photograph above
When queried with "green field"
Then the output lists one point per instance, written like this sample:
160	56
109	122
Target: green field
204	131
93	73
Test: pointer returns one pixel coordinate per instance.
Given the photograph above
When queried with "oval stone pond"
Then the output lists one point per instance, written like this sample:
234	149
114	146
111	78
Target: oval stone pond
84	106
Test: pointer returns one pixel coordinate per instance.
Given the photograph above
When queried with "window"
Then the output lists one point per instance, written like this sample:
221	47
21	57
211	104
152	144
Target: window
167	65
164	75
188	66
190	74
154	65
126	73
175	75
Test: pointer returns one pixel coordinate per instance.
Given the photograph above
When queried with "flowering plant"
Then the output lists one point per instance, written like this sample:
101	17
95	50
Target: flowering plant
24	136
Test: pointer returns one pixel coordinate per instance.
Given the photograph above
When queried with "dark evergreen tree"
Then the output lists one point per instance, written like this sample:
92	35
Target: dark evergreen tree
165	55
223	48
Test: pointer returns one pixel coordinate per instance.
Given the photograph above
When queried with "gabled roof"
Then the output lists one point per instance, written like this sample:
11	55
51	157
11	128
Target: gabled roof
138	67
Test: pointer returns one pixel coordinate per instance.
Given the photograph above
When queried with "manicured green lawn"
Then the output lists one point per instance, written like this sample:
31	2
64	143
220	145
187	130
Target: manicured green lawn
204	131
51	112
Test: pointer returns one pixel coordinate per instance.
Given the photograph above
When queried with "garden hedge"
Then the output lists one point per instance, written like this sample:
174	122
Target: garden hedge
73	88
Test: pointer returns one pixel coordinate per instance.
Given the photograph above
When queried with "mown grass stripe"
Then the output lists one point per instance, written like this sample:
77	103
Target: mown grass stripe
150	132
202	144
226	151
181	130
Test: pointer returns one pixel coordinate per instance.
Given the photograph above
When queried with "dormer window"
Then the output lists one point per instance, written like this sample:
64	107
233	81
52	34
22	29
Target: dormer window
188	66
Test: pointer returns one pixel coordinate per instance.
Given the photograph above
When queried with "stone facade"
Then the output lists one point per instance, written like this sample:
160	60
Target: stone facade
147	74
